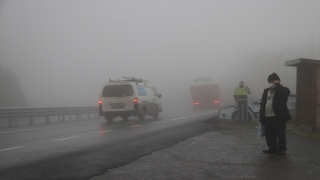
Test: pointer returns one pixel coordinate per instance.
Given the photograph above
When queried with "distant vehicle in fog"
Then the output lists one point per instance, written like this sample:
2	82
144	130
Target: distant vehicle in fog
230	111
205	93
129	97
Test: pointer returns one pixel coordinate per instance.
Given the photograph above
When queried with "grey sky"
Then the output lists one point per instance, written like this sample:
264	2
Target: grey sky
66	50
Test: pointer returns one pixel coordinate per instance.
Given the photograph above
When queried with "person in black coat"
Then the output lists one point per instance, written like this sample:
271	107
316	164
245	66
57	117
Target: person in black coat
274	113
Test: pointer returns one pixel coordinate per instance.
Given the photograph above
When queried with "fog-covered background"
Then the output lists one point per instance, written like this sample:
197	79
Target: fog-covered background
60	53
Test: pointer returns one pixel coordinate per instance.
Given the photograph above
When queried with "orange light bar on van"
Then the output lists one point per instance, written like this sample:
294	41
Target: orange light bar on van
135	100
100	102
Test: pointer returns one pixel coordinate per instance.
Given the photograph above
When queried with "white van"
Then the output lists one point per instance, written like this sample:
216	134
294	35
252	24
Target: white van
125	98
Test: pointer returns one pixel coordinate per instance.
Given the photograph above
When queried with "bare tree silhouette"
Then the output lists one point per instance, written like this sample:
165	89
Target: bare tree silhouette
11	94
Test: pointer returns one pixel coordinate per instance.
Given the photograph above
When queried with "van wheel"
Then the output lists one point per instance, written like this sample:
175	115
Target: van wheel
156	114
142	115
125	118
109	119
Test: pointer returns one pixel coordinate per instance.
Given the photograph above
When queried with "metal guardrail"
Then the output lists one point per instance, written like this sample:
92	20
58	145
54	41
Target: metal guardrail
12	114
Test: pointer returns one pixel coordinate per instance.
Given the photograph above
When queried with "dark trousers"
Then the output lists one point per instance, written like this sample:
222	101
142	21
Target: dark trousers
275	133
242	110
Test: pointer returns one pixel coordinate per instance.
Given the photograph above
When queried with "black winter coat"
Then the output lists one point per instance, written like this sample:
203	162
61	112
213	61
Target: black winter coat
279	104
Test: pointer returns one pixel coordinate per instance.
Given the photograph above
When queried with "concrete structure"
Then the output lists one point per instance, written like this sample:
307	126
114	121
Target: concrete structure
308	91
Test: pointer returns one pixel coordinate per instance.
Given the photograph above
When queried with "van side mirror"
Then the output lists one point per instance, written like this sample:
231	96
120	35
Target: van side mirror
159	95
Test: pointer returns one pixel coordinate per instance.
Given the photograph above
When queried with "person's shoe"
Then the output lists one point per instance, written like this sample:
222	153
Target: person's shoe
281	152
269	151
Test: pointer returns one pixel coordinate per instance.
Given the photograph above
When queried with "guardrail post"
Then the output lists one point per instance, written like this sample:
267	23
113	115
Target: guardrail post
59	118
77	117
63	118
47	120
88	115
69	117
31	120
15	121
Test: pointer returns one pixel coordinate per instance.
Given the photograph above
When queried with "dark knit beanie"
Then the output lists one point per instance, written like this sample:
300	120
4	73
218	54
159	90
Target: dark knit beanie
273	76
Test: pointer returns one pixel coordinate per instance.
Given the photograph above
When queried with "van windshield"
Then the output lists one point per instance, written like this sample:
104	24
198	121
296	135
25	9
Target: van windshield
117	91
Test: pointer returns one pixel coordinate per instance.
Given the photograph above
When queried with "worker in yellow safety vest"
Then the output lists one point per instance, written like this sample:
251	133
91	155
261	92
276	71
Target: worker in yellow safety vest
241	98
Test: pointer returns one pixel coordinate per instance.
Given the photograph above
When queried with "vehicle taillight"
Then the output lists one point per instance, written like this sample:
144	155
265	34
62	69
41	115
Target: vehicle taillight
196	103
135	100
216	101
100	102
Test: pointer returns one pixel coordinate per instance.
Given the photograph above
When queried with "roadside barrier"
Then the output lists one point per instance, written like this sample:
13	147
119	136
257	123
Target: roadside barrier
13	114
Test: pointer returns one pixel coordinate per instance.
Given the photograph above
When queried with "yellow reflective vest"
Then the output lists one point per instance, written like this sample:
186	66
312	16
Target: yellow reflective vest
241	93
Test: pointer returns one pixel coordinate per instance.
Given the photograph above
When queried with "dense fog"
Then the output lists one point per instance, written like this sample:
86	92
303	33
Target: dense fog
60	53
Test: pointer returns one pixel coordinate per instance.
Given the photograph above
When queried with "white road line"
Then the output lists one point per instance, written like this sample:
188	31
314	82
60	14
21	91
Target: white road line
105	131
135	126
11	148
66	138
158	121
28	129
192	116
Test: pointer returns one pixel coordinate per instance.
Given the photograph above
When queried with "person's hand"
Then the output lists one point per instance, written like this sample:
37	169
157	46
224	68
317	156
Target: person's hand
276	81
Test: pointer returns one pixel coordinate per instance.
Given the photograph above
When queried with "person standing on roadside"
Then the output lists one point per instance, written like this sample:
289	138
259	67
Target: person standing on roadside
274	113
241	98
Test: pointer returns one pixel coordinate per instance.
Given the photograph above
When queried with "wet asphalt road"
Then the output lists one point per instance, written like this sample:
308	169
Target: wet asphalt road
87	148
183	144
